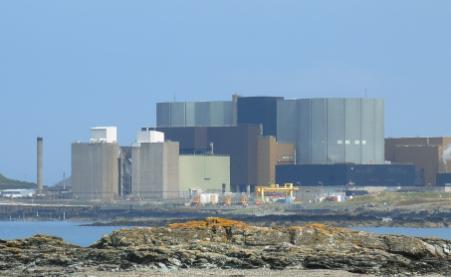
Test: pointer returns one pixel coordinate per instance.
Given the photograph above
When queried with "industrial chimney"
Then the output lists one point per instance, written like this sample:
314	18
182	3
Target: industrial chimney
39	151
212	148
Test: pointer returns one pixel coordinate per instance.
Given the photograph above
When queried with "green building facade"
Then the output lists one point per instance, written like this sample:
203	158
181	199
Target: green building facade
206	172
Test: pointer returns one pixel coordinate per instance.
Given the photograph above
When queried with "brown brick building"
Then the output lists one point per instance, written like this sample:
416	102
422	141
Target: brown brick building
429	155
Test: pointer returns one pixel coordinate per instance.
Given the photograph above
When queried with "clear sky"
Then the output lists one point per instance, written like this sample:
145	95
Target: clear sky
68	65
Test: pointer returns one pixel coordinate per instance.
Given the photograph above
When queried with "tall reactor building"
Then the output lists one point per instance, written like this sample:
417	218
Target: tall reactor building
333	130
339	141
155	166
95	170
196	114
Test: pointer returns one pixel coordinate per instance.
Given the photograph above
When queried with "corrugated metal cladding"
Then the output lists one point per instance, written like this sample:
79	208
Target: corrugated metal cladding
195	114
333	130
259	110
443	179
345	174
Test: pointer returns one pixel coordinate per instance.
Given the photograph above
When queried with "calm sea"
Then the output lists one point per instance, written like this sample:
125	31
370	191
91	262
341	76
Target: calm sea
86	235
70	231
443	233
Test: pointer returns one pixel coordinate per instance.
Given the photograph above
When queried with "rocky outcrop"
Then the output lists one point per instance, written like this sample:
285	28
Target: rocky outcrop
221	243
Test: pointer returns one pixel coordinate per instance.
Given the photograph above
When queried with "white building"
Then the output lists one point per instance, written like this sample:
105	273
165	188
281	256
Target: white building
17	193
106	134
147	135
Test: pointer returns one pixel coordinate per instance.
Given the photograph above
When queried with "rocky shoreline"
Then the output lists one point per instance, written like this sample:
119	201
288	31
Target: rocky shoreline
333	218
221	244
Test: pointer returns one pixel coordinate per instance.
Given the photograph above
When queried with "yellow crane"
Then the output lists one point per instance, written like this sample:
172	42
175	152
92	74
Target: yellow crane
287	189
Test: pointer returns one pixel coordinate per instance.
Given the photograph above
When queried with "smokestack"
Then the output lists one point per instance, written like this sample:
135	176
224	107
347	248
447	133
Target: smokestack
212	150
235	109
40	148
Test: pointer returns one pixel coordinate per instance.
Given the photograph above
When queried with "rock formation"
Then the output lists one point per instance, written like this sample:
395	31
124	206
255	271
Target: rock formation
221	243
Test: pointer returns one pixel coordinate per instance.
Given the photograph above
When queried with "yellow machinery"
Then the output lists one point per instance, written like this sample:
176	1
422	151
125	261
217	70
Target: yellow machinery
196	201
287	190
244	200
228	200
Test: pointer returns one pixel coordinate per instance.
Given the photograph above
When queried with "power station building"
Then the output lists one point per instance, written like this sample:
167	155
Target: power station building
259	110
347	174
270	153
250	162
150	169
430	155
321	131
155	166
210	173
95	171
255	110
339	141
240	143
252	141
196	114
333	130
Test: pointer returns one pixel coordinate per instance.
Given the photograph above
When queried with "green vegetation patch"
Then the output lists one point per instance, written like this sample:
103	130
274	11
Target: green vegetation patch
402	198
6	183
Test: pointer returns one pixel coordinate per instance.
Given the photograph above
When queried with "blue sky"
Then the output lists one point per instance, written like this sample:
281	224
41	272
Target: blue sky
68	65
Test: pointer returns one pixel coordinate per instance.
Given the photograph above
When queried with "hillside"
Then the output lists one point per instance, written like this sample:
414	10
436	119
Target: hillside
6	183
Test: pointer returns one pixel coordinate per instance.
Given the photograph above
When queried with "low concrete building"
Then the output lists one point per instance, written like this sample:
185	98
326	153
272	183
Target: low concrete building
95	171
347	174
430	155
207	172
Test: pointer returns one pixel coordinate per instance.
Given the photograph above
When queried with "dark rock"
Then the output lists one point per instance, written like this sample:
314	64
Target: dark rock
227	244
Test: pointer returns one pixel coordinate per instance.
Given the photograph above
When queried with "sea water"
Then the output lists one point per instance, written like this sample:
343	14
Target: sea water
74	232
70	231
442	233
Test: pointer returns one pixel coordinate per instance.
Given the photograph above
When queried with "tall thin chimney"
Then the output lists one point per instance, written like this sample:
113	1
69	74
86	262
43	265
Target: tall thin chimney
40	148
212	148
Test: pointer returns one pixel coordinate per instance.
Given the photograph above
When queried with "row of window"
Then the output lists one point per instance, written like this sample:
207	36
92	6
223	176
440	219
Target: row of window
348	142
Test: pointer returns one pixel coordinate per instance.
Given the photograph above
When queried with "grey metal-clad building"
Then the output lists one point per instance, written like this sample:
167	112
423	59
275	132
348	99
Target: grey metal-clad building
196	114
155	170
259	110
95	170
333	130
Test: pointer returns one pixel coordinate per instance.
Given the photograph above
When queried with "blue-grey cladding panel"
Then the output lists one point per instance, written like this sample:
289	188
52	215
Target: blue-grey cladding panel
178	114
163	114
287	121
190	116
336	130
353	122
